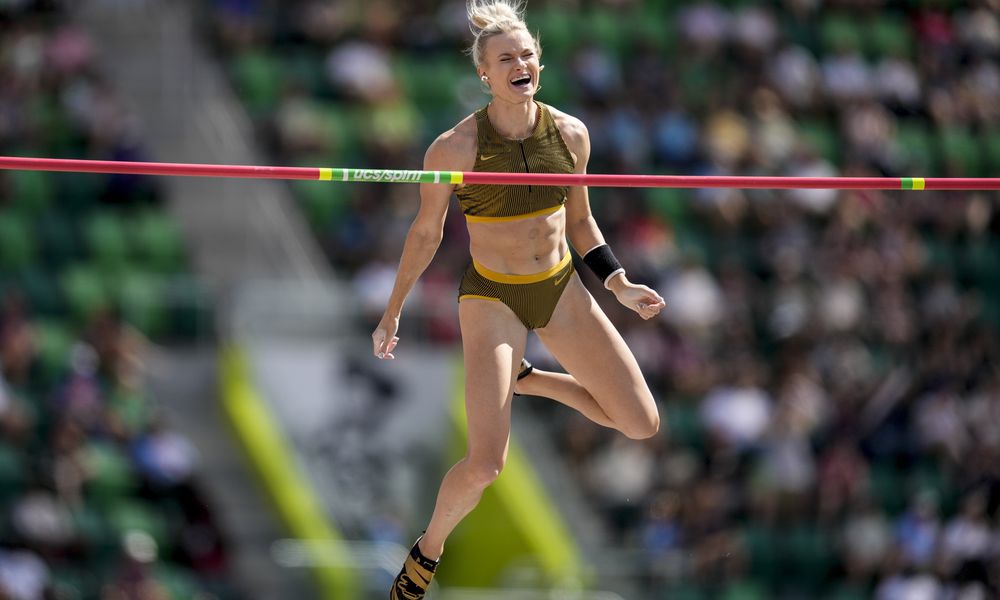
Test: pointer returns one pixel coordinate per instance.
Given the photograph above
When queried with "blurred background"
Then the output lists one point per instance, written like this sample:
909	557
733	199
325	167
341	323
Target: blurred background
189	407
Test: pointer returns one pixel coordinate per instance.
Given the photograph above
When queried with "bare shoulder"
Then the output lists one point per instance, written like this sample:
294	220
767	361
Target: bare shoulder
573	131
455	149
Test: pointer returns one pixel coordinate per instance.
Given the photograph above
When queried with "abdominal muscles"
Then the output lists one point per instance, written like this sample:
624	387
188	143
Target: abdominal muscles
520	247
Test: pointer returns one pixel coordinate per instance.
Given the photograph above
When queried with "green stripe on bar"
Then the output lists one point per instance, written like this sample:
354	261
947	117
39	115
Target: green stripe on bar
912	183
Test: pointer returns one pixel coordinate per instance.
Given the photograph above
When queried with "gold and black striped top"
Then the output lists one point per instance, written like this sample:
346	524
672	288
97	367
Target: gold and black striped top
544	152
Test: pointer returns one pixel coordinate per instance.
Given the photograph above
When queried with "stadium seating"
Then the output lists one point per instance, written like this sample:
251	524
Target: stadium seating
738	234
74	249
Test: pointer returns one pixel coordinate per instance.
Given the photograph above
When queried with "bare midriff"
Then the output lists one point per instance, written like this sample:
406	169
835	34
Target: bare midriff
522	247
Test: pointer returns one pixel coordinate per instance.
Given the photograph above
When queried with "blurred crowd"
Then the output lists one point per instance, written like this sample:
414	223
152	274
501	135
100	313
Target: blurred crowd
99	495
828	361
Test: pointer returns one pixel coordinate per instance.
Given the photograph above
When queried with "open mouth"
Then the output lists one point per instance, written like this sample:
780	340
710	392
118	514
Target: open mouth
521	81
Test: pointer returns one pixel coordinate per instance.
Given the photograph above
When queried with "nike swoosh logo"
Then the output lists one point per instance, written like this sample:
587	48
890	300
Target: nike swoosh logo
484	157
561	277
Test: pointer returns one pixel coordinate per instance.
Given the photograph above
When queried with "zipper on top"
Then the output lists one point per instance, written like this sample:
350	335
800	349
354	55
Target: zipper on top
525	157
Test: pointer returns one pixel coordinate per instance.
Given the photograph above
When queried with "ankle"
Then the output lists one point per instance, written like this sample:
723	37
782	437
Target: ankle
431	553
525	372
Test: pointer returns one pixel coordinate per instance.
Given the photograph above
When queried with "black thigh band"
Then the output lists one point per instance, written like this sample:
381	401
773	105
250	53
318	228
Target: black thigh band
603	263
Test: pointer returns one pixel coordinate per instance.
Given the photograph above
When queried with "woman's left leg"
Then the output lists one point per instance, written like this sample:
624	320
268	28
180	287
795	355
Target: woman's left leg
604	381
564	389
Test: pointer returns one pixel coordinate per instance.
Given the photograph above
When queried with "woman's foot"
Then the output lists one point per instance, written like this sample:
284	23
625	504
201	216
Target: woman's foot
526	370
415	576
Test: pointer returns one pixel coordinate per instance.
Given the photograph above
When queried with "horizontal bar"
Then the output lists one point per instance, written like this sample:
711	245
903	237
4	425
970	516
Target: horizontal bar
458	177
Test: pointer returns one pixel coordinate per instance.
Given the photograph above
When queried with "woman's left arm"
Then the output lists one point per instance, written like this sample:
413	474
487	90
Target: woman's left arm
586	237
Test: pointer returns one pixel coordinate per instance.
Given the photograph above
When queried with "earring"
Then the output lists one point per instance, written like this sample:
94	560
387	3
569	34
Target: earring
484	78
541	67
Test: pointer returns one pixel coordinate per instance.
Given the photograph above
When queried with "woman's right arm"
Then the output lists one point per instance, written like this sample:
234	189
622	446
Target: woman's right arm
421	244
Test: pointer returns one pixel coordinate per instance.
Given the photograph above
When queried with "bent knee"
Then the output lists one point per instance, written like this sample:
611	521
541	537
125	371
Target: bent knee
483	473
643	428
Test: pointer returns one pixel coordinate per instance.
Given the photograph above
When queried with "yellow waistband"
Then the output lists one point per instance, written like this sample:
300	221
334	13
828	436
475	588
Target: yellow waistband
537	213
532	278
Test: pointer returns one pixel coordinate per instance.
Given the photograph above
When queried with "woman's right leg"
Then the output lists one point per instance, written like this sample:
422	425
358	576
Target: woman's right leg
493	341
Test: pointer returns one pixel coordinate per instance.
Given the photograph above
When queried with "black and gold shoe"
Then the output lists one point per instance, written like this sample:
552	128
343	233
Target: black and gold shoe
526	370
415	576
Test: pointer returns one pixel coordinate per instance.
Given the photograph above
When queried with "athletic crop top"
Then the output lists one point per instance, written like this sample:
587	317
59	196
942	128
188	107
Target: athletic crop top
544	152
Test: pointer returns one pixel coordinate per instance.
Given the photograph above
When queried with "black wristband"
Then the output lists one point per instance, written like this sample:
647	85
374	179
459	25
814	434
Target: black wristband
603	263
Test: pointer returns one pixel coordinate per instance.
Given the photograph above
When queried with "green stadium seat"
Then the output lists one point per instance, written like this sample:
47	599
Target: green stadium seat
695	244
259	81
140	295
31	191
961	151
322	203
941	253
762	546
107	239
656	28
928	476
887	487
696	82
393	124
305	66
840	32
433	81
94	529
917	147
557	31
53	125
685	424
684	590
14	471
60	241
991	140
981	259
669	203
132	408
85	291
810	550
156	242
180	582
41	290
131	514
74	583
78	193
17	245
557	87
344	129
848	591
112	478
190	309
744	590
888	35
608	29
822	136
55	340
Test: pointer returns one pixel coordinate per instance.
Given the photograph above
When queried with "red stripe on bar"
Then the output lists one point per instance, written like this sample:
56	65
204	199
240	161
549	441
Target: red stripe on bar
595	180
157	168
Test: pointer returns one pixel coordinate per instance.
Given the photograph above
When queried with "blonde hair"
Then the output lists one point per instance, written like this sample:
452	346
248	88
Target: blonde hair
488	18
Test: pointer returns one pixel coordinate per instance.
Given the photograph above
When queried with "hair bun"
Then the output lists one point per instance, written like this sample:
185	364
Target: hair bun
491	17
484	14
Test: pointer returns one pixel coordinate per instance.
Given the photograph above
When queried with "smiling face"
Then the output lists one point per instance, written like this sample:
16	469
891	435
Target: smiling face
510	61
